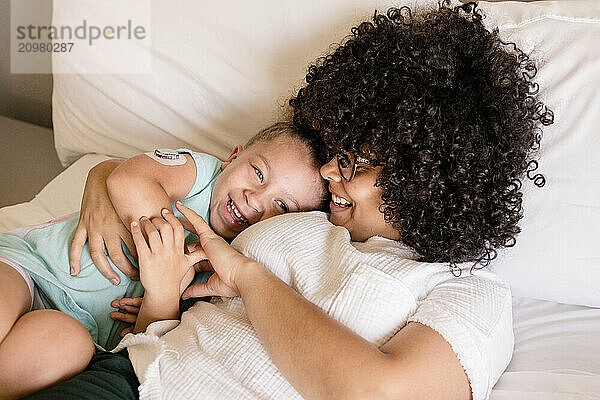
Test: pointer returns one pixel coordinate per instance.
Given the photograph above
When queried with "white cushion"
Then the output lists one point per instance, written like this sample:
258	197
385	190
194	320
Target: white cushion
222	70
557	254
61	196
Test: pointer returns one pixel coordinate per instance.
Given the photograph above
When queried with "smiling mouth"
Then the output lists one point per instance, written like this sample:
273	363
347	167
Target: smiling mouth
340	201
235	214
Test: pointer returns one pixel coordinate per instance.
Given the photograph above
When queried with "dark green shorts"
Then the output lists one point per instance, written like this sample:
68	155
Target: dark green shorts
108	376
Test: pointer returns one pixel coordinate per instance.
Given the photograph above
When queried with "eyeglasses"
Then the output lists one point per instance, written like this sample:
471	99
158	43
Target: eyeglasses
347	164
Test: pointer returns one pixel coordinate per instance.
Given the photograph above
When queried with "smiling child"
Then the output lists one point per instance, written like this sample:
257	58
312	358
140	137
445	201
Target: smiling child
277	172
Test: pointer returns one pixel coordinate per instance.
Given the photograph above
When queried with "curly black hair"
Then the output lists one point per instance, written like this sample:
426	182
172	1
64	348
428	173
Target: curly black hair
452	114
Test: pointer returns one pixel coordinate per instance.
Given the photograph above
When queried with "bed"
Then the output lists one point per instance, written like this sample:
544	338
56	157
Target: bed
223	74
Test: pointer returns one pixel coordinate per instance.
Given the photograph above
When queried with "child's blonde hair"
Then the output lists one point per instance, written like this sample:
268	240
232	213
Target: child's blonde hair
314	145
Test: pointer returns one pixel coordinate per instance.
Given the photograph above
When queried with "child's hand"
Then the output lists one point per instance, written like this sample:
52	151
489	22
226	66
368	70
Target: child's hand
100	225
132	307
164	267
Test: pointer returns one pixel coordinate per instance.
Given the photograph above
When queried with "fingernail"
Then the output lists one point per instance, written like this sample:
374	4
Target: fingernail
185	297
72	271
134	223
180	203
165	211
115	281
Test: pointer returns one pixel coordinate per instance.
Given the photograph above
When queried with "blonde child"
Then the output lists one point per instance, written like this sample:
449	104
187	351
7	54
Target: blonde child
277	172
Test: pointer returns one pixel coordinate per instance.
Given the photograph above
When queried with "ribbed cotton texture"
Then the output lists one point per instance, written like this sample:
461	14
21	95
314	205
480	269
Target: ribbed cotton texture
375	288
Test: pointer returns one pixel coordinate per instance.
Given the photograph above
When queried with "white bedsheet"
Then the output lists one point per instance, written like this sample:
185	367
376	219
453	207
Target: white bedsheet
557	353
557	346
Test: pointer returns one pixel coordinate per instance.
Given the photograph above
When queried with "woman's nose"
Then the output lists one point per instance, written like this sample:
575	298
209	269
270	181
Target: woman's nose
330	171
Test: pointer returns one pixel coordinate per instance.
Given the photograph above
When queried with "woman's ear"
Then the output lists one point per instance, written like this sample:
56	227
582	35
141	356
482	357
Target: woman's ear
234	153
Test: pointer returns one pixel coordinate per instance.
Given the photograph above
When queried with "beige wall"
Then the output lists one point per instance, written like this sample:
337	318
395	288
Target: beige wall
27	160
27	97
27	157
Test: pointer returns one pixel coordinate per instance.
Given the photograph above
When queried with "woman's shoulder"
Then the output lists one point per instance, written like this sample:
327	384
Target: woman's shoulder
293	235
479	293
473	313
478	302
312	231
287	228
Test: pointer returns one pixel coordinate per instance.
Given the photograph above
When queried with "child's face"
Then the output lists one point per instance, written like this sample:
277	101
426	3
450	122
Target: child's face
266	179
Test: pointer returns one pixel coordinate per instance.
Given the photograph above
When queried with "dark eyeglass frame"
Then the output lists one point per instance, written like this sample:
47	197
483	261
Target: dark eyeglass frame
350	158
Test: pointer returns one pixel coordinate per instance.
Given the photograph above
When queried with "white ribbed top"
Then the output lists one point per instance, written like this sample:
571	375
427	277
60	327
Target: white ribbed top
375	288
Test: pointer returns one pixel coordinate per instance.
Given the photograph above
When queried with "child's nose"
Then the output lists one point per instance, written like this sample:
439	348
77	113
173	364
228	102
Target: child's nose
263	203
253	200
330	171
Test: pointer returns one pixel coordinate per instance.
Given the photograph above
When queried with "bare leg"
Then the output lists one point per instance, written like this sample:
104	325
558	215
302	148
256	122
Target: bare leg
15	298
41	347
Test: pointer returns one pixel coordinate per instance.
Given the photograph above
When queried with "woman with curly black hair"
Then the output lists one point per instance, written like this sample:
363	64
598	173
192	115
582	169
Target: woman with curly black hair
451	115
430	123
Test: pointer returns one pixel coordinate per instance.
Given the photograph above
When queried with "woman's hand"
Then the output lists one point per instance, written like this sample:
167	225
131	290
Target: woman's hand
225	261
100	225
164	265
132	307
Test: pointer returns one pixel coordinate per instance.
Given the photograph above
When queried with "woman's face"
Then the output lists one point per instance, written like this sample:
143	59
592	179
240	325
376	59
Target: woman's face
355	204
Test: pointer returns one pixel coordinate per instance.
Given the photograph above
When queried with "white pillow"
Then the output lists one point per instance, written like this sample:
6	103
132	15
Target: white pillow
557	255
222	70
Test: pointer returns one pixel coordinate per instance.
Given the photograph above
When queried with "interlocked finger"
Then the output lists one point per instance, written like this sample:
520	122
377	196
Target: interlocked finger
120	316
115	251
97	254
165	229
131	301
138	239
126	307
152	233
187	225
178	231
79	239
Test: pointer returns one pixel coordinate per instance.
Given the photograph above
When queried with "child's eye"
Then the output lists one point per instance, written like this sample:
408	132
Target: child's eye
258	173
283	206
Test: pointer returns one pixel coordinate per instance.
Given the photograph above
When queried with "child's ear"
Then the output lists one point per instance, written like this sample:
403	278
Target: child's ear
232	156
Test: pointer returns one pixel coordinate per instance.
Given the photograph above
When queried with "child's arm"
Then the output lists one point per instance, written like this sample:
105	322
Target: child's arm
129	307
101	227
142	186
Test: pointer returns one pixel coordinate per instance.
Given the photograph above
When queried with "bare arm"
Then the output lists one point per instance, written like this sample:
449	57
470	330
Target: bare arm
321	358
141	186
100	225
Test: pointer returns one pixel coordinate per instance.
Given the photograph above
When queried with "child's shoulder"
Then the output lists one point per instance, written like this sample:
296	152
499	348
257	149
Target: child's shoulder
206	160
